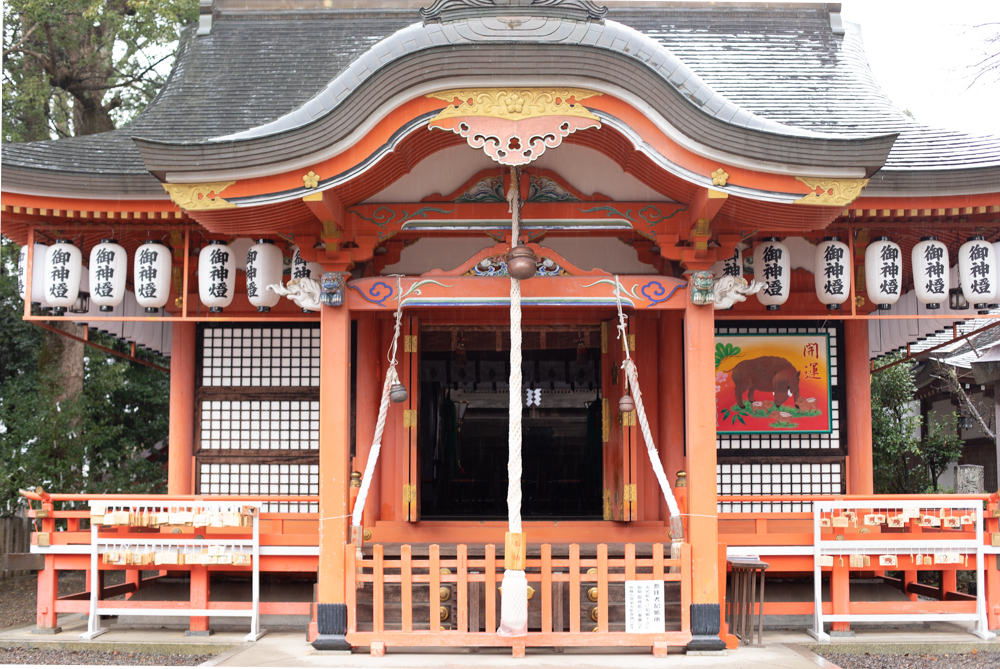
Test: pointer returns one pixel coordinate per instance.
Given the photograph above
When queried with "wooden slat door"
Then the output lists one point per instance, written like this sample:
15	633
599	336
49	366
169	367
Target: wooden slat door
409	369
619	431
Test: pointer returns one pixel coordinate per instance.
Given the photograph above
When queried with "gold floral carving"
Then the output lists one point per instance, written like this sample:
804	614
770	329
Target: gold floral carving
199	197
831	192
514	104
310	179
720	177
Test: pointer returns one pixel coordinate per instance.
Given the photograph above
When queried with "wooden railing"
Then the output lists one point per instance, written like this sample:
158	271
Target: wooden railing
786	541
407	595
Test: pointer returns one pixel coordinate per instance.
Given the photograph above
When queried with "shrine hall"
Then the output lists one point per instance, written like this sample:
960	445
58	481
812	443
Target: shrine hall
516	324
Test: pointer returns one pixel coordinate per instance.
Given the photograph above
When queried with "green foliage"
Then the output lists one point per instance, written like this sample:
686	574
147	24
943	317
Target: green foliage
895	446
941	445
76	67
99	442
724	352
903	462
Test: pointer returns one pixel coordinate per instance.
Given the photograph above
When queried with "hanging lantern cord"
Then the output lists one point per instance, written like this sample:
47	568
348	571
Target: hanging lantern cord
632	381
391	378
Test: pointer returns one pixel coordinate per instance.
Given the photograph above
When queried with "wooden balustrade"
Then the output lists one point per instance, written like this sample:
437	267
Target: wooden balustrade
452	601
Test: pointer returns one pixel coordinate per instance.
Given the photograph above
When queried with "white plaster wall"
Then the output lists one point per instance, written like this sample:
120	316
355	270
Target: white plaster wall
586	253
585	169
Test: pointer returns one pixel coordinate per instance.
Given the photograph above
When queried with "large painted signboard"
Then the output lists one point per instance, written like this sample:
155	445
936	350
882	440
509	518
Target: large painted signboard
772	383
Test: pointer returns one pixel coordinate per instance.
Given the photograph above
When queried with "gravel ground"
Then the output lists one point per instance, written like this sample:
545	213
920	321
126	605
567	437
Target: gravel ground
18	595
973	660
19	655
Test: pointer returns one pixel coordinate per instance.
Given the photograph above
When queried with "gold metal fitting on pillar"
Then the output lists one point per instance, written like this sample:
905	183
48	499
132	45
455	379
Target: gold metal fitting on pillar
592	594
682	480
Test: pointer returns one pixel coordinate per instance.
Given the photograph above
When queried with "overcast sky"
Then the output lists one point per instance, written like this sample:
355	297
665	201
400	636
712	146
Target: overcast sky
922	53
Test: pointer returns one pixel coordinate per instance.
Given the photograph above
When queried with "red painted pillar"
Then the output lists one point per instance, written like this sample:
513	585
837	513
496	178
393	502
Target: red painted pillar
859	407
181	448
48	584
334	475
369	395
199	600
703	526
840	592
670	370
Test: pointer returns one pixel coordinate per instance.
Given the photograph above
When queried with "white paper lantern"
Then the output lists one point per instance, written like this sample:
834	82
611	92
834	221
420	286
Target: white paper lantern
63	266
772	267
977	271
216	276
300	268
151	275
832	272
929	260
108	265
883	272
37	274
996	254
731	266
264	268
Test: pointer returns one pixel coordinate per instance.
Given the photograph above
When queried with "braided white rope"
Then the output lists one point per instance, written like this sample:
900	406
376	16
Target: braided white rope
391	377
514	597
632	374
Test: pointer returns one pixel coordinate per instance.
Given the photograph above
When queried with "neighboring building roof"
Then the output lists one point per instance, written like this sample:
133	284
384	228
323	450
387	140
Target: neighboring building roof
781	64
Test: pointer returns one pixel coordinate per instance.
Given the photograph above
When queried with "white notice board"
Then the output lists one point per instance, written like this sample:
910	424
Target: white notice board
644	612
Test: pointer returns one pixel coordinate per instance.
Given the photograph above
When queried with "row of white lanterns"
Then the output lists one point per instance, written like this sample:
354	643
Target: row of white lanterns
977	269
55	282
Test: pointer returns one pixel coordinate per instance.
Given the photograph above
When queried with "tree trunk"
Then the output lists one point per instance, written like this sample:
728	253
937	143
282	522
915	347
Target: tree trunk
61	360
90	116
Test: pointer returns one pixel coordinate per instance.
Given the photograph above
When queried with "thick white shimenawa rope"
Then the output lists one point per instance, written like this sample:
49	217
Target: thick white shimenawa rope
676	526
391	377
514	598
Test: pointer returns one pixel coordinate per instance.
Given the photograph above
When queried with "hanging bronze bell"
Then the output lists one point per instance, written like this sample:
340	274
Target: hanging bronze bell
397	393
625	404
521	263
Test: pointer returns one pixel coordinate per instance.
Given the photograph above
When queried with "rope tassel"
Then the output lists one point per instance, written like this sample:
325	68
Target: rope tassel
514	597
632	374
391	377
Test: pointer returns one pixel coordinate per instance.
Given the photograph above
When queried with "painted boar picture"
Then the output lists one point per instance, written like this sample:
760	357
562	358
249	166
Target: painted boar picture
772	383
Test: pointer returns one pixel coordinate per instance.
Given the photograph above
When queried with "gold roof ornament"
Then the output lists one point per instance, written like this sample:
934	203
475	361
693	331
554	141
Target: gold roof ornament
199	197
831	192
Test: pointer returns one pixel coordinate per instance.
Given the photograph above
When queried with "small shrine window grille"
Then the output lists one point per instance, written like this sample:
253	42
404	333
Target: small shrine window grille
786	478
262	356
262	479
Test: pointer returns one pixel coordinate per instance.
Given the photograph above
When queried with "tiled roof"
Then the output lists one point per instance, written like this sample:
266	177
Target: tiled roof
783	64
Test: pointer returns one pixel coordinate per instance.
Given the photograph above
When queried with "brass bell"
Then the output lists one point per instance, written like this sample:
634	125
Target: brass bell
521	262
625	404
397	393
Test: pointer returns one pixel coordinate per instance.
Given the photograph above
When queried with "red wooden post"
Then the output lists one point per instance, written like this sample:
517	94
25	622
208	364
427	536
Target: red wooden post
378	590
840	592
670	374
462	588
369	395
48	578
703	527
433	602
859	407
334	475
406	585
199	600
574	588
602	588
182	410
490	587
546	586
